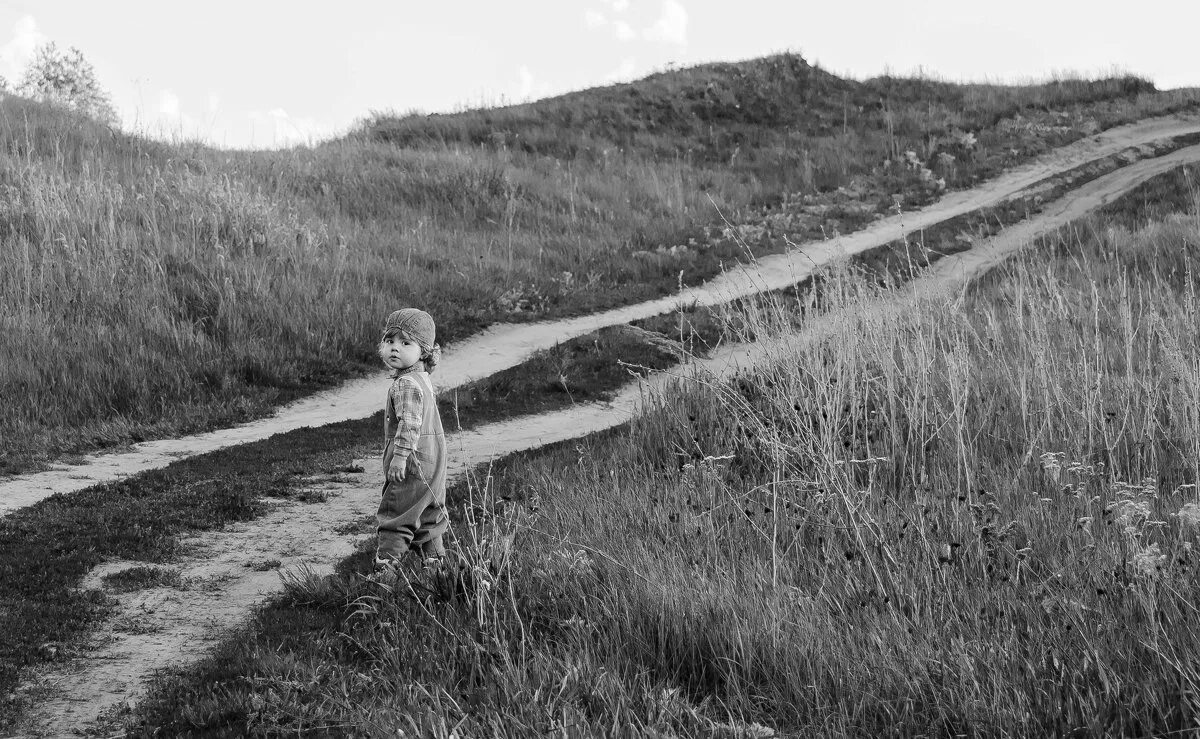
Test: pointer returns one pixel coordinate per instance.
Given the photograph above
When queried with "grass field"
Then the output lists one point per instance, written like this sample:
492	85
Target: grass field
151	290
974	515
47	549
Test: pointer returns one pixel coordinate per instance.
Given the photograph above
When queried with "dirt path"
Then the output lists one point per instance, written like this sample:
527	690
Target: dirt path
226	573
947	277
952	273
506	345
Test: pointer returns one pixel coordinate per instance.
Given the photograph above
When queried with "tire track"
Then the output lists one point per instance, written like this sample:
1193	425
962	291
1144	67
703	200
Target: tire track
170	626
507	345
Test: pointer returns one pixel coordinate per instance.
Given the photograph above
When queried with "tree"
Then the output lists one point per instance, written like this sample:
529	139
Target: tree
67	79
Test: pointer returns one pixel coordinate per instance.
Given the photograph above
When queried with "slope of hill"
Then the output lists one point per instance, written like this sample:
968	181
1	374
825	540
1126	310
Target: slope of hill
791	126
151	290
958	510
869	489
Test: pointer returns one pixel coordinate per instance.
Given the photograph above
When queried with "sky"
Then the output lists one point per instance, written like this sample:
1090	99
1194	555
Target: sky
268	73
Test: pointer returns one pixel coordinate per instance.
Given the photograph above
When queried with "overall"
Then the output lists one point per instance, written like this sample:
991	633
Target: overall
412	512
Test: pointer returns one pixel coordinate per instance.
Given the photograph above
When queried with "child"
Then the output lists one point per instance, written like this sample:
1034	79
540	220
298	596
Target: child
412	513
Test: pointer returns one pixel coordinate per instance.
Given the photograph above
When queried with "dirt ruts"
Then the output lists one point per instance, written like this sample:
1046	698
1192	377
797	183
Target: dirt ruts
505	345
225	573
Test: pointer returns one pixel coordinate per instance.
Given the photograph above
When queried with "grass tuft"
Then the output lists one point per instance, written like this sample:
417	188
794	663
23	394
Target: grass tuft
141	577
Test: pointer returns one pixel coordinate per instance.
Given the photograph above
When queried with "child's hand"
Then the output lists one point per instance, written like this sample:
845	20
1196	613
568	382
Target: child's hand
395	471
414	467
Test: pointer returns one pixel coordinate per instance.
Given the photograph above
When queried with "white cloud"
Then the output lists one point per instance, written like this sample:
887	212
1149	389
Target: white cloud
18	52
621	29
531	87
168	104
277	128
169	120
623	73
671	26
172	118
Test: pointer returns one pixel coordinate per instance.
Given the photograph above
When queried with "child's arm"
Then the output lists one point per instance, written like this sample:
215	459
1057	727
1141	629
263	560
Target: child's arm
406	400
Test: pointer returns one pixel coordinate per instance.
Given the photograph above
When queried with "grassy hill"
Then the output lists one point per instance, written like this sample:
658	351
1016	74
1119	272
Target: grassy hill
973	516
153	289
789	126
955	517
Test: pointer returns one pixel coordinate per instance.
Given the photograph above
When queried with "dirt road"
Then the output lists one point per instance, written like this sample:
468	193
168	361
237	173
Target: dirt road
504	346
226	573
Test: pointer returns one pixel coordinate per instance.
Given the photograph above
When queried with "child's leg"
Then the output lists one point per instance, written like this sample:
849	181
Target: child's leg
399	517
433	548
434	523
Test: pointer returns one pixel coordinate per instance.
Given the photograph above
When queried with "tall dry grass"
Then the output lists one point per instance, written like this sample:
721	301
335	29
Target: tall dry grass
972	513
150	290
154	290
968	515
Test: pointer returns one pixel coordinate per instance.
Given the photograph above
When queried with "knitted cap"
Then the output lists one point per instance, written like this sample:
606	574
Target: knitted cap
414	323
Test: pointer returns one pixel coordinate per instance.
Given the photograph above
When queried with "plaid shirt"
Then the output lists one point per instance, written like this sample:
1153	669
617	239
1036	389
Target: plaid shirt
406	401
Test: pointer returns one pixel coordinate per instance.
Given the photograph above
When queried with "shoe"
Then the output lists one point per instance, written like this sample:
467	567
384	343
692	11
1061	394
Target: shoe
433	562
389	563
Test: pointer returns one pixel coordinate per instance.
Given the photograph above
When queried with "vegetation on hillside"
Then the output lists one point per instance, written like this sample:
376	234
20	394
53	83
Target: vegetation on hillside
151	289
971	516
790	127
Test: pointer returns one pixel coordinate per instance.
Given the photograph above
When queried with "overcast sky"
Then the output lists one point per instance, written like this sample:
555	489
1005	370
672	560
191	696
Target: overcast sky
265	73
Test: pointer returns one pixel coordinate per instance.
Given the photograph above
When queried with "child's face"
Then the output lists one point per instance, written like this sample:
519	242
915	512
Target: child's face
398	352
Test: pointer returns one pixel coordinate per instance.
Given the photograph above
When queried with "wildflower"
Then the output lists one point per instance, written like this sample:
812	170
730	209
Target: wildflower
1148	562
1190	514
1052	464
1130	513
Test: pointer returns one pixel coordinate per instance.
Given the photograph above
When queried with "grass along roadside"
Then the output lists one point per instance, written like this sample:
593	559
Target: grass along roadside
896	262
990	218
47	549
586	367
589	368
581	370
192	268
900	260
959	518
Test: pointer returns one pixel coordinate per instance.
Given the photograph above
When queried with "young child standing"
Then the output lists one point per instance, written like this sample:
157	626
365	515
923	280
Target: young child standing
412	514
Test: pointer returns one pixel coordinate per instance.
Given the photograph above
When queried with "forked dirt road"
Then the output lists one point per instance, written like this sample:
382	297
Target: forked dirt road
223	572
161	627
507	345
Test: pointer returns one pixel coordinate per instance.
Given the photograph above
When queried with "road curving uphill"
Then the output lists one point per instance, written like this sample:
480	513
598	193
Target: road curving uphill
176	627
507	345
